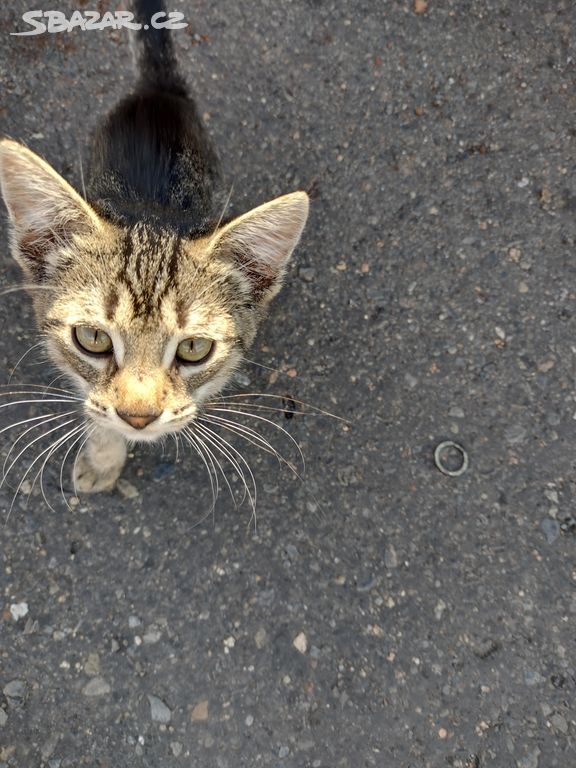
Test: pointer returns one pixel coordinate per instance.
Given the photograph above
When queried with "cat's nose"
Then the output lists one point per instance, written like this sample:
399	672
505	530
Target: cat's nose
137	420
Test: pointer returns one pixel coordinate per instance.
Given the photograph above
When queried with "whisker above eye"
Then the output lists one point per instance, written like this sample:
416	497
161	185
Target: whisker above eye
26	287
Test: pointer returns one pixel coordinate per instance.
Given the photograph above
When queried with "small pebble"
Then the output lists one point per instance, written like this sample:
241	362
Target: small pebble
307	274
530	761
515	433
551	529
96	687
261	638
18	610
159	712
92	665
3	717
15	689
390	557
411	381
199	713
176	748
552	495
546	365
249	720
283	752
300	642
439	610
127	490
559	723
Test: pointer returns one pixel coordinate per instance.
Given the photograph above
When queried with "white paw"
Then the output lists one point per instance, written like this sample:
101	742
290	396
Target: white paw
87	479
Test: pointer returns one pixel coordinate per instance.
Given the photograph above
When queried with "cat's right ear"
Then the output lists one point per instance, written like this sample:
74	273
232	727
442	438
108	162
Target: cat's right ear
46	213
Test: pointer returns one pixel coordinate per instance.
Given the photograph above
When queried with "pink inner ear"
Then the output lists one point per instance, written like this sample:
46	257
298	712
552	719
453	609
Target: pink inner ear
262	241
45	211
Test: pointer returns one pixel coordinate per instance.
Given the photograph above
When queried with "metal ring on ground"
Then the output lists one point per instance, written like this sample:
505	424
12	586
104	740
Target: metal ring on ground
447	445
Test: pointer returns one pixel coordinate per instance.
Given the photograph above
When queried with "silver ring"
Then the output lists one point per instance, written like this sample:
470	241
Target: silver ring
440	449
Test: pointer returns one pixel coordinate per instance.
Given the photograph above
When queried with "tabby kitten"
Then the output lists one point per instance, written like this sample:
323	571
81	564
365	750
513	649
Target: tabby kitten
144	299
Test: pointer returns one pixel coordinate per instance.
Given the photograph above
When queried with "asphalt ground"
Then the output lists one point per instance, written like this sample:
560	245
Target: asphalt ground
381	613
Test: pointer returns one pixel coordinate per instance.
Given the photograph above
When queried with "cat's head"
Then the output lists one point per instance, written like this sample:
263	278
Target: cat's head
148	324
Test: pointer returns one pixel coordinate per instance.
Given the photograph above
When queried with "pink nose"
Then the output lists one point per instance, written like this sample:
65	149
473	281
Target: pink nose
137	420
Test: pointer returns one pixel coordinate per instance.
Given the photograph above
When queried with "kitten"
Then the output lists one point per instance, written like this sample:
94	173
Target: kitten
145	300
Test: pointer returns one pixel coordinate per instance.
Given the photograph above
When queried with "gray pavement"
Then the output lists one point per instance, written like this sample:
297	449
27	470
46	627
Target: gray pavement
382	614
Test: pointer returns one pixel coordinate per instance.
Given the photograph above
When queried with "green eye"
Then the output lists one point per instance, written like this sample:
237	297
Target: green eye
194	350
92	340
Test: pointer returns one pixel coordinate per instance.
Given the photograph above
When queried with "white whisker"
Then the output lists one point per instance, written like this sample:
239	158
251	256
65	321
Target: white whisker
246	433
34	346
267	421
260	407
55	448
225	449
5	473
72	431
42	401
23	434
33	418
192	441
239	395
215	458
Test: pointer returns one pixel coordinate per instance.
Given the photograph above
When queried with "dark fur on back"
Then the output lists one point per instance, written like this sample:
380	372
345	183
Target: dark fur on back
152	159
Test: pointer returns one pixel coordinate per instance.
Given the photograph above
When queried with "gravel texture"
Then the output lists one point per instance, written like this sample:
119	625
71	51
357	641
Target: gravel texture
381	613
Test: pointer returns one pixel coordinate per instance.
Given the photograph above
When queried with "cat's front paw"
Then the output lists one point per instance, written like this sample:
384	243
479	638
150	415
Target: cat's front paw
87	479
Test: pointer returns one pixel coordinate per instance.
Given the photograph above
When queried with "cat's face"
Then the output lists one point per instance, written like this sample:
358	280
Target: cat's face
148	324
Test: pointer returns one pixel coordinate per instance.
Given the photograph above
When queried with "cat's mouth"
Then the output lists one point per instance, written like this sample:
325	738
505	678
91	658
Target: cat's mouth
140	427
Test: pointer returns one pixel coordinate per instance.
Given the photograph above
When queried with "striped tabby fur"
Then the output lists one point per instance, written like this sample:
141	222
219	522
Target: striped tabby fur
144	262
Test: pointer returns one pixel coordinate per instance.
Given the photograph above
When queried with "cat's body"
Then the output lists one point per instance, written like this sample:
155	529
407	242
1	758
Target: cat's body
145	301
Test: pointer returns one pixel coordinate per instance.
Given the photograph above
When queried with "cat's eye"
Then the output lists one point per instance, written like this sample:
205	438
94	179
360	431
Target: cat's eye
92	340
195	350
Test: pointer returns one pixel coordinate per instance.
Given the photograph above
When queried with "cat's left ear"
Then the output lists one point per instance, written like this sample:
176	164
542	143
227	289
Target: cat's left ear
261	241
46	213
